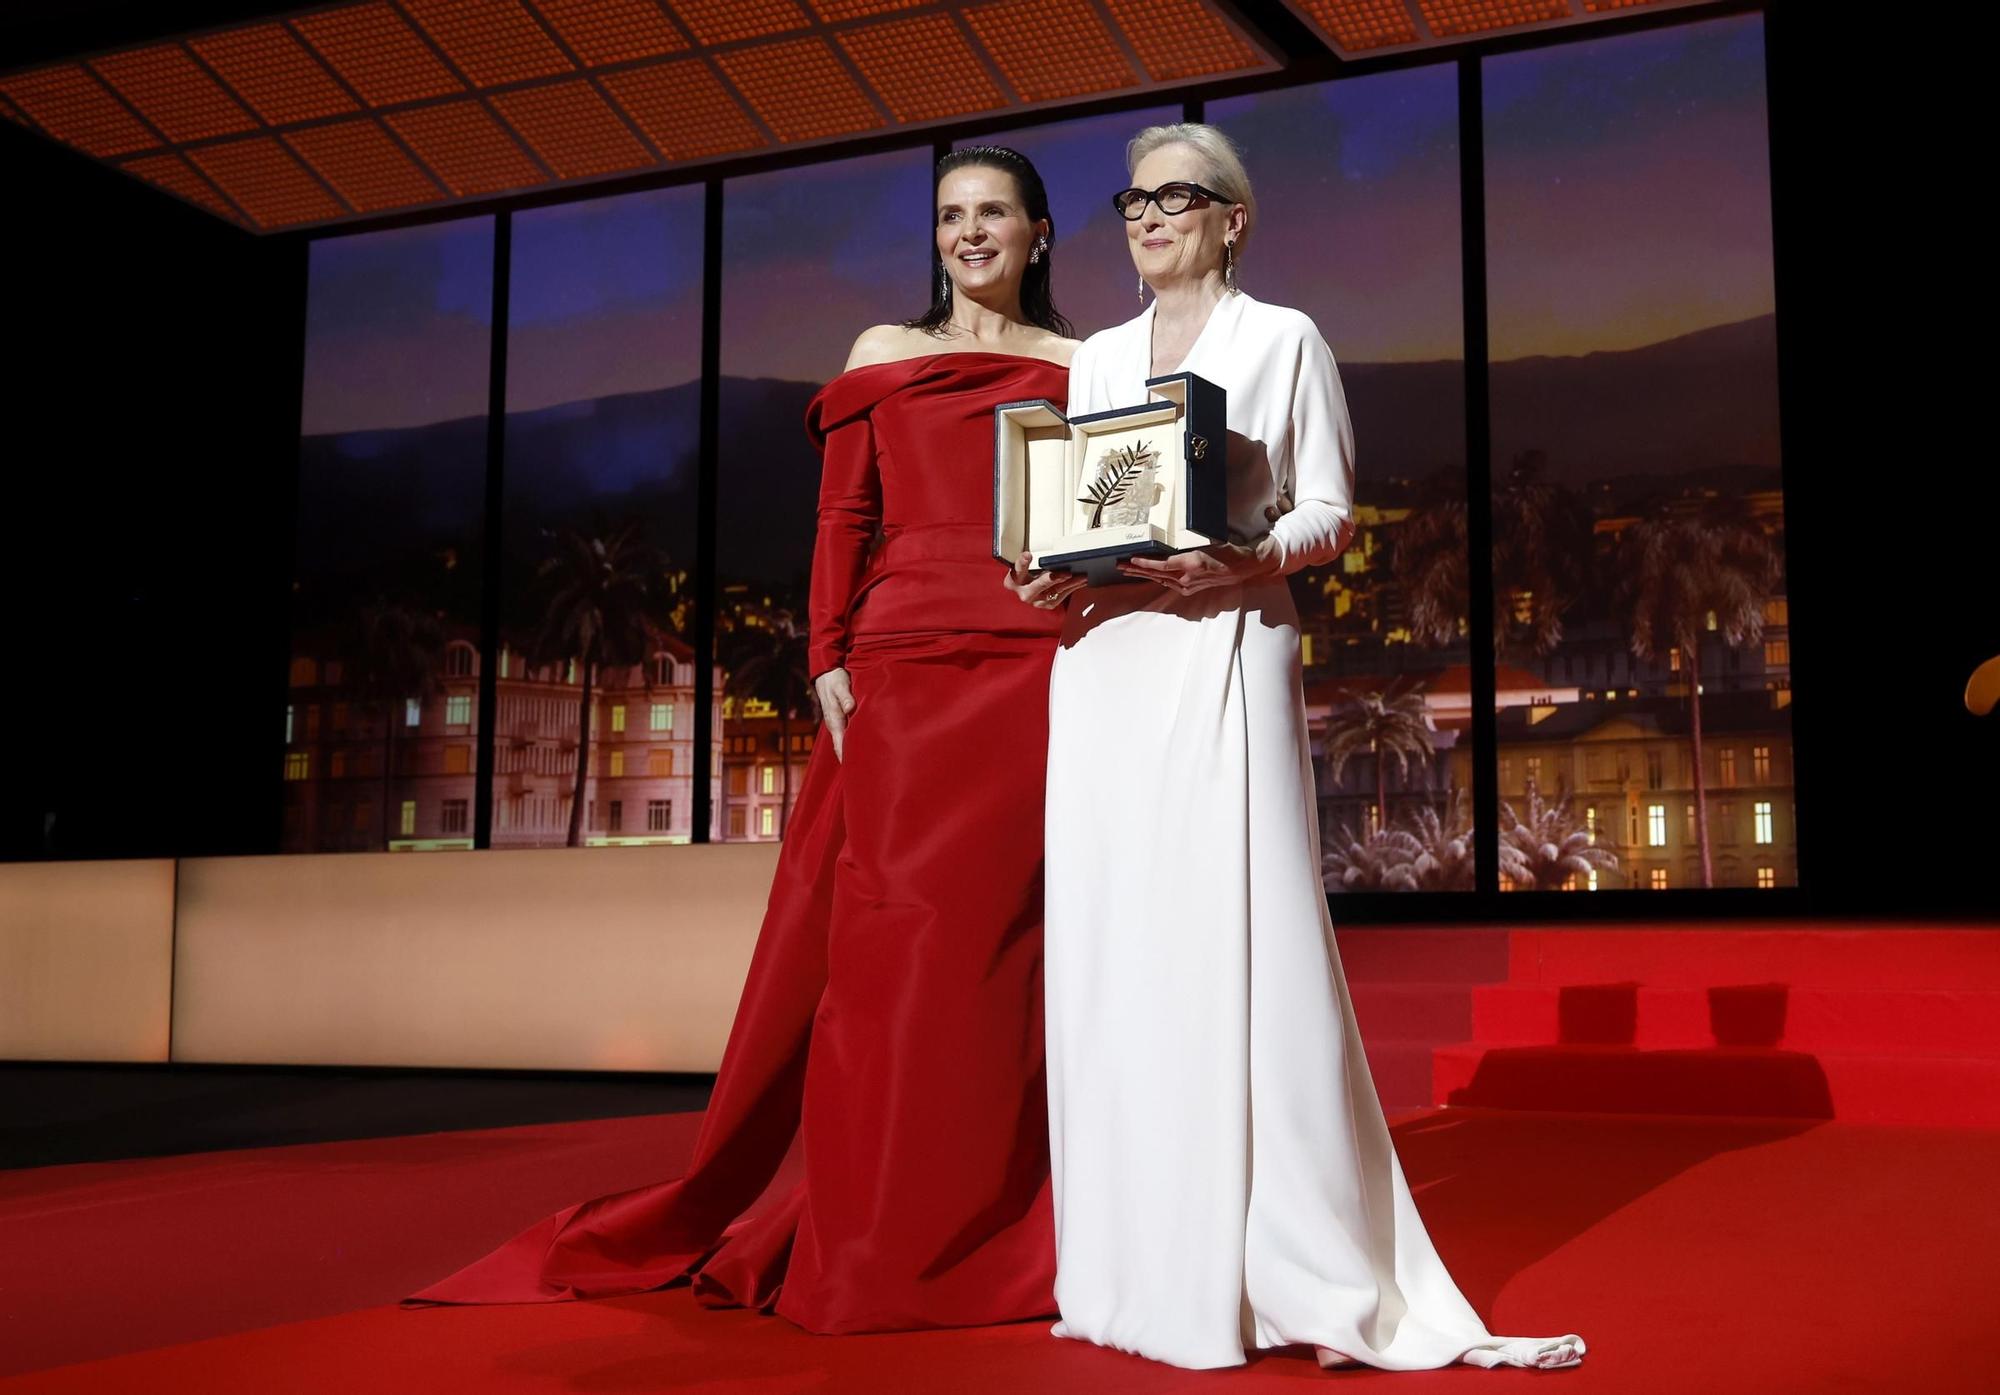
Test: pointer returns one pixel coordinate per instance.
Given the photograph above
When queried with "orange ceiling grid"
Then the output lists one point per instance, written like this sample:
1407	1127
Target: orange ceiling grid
356	110
1354	28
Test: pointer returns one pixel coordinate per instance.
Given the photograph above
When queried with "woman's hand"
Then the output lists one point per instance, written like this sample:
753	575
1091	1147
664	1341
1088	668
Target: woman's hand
1045	592
836	704
1224	564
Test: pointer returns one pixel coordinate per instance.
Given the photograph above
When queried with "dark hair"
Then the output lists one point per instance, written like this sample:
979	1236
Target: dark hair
1037	302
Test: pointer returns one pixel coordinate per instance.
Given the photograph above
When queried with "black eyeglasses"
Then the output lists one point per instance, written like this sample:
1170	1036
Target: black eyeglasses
1176	197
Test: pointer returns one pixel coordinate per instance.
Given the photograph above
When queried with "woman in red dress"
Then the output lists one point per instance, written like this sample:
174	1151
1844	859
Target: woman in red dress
892	1018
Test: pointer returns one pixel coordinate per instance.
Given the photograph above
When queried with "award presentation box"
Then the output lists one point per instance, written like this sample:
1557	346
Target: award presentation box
1083	493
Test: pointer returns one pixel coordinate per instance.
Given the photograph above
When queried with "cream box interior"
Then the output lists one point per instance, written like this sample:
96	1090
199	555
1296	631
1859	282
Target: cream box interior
1096	488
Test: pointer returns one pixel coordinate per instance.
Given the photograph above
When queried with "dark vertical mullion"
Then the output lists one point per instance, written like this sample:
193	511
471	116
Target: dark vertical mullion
707	479
1194	109
490	588
1478	475
1780	77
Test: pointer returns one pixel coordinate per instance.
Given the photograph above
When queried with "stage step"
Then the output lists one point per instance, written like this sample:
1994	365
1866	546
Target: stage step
1903	1021
1437	1012
1880	1088
1402	1071
1703	954
1423	954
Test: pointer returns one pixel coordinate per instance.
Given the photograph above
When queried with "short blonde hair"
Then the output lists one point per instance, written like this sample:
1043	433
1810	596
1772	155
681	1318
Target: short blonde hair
1222	164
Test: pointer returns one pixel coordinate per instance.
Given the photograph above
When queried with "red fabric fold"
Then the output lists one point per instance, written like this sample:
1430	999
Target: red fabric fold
892	1016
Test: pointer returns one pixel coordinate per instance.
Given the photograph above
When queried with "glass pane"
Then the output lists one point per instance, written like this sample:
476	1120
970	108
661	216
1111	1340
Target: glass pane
1645	679
381	739
812	257
1357	185
1082	164
602	431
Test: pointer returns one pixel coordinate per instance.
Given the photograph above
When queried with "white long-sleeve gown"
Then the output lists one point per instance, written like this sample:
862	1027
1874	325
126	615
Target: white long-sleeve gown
1223	1174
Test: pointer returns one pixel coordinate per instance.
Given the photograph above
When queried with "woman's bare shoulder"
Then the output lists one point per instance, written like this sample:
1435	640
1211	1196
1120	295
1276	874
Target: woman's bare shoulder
887	343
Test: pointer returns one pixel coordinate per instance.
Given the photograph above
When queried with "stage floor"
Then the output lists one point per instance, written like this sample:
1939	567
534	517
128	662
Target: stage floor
1694	1255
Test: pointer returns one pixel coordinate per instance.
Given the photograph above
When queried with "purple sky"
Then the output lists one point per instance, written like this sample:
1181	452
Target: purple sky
606	297
1628	201
1628	188
1357	194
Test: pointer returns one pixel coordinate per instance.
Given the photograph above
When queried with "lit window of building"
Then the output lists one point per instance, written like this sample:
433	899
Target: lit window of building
298	765
660	763
455	815
457	760
1590	833
289	714
1767	876
739	780
767	821
409	821
458	709
1590	882
662	717
1777	653
618	717
1656	825
1658	880
1760	764
1763	818
1725	760
413	712
617	762
767	778
1535	771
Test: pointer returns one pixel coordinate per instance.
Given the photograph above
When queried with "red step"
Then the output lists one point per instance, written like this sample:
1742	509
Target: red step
1422	954
1701	954
1959	1091
1894	1021
1402	1072
1439	1012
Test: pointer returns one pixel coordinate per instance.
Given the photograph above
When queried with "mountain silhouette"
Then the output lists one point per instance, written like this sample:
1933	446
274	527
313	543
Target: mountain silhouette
1702	406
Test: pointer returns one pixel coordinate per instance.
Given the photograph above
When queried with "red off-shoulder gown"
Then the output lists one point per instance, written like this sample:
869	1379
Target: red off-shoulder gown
893	1013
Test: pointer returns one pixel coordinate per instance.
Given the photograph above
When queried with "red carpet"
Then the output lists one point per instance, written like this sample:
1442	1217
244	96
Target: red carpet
1694	1255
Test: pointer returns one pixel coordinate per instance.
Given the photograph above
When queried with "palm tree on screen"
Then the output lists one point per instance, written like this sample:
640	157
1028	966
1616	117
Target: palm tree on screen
601	591
1686	569
770	662
1395	724
1542	559
1544	850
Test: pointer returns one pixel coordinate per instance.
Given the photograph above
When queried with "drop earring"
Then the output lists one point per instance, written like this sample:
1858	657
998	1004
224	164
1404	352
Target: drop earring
944	284
1229	266
1142	290
1035	252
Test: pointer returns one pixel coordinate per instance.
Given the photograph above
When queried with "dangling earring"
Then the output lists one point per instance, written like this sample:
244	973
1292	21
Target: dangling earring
1229	266
944	284
1142	290
1035	252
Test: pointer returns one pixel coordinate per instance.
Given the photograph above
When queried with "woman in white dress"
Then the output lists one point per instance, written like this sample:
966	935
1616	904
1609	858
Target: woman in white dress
1223	1175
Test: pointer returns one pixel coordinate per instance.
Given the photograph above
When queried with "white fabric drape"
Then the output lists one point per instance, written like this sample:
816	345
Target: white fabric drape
1224	1177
